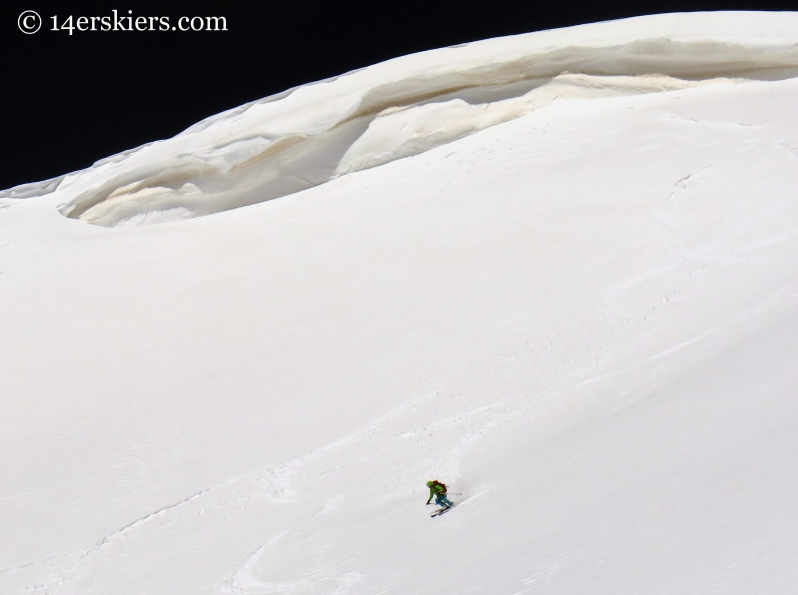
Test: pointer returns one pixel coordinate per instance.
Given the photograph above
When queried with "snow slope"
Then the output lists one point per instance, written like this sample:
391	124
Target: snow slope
314	133
582	316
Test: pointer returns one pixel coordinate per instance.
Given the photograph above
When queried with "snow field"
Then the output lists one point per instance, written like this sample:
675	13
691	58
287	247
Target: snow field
583	319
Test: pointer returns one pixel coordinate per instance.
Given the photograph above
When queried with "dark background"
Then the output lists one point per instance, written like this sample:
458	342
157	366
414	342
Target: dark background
68	101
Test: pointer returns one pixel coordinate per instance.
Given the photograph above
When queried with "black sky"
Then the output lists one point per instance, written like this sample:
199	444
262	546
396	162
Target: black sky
70	100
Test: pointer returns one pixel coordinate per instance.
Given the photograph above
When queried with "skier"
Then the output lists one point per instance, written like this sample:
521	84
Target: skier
439	490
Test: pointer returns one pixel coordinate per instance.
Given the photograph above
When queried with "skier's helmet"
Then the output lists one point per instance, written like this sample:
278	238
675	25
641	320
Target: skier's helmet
429	484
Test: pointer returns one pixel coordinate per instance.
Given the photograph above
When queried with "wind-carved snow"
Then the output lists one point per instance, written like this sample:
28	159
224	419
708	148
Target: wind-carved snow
405	131
262	168
313	134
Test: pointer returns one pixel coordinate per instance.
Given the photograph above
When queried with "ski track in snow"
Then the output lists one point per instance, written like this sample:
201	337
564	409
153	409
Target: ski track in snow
682	184
275	483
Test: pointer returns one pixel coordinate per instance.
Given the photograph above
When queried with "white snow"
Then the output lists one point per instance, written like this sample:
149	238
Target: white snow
309	135
580	314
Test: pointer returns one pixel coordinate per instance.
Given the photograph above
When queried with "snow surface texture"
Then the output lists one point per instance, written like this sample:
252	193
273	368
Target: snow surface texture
584	319
315	133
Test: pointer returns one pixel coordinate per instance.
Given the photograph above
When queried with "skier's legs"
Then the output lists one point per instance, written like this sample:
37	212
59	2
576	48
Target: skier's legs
442	501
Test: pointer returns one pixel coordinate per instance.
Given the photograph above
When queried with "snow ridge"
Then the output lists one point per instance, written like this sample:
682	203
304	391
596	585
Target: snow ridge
310	135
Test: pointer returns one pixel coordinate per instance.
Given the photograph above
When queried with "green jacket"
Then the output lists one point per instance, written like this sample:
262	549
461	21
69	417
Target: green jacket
435	489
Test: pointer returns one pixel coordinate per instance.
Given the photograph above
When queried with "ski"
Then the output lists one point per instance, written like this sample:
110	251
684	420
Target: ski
440	512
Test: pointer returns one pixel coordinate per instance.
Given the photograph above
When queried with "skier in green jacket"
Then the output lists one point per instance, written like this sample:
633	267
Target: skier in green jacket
438	490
